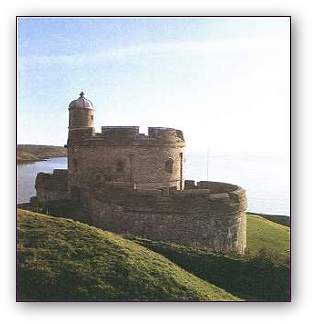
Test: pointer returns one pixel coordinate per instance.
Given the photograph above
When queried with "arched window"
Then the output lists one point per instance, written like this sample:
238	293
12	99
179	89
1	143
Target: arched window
169	165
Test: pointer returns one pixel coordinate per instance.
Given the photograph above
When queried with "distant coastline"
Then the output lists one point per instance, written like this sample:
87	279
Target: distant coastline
29	153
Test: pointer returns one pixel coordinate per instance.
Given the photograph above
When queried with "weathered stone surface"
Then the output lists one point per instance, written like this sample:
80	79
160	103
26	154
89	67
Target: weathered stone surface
114	160
52	186
180	217
134	183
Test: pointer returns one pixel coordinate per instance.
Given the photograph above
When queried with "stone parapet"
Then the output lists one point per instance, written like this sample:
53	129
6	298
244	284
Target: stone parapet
118	132
197	217
125	136
212	217
133	183
52	186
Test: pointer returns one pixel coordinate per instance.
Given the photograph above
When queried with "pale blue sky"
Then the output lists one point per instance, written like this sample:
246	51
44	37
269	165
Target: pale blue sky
223	81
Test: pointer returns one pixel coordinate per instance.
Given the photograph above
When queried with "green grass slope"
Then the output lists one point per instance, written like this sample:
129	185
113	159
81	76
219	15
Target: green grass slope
262	275
279	219
60	259
263	234
32	153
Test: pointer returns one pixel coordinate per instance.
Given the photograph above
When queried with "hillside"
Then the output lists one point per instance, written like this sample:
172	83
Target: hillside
279	219
32	153
265	234
60	259
261	275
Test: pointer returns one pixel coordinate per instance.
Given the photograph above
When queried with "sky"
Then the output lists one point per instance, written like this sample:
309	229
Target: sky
224	81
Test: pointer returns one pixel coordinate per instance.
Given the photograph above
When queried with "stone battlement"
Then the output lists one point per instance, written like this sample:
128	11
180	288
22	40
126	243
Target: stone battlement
210	189
209	214
52	186
121	135
206	195
133	183
220	197
212	217
56	180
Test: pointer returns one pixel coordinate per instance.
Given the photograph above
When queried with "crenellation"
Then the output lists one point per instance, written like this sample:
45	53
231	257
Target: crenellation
52	186
133	183
190	184
120	131
118	136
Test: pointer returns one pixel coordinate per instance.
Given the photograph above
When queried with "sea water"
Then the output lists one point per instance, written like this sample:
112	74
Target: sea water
266	179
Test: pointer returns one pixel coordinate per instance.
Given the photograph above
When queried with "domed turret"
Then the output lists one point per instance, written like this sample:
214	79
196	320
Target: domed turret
81	102
81	113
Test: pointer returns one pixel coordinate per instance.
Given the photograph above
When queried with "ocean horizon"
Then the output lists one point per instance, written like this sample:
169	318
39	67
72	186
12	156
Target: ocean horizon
265	179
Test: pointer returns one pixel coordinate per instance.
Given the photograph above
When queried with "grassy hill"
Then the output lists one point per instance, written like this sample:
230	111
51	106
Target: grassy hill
279	219
263	274
263	234
32	153
60	259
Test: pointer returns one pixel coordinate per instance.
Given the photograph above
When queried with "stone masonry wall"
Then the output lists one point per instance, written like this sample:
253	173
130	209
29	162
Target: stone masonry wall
133	183
122	154
196	217
80	118
207	214
51	187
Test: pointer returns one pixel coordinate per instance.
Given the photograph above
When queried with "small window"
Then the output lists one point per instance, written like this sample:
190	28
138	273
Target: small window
74	164
97	177
120	166
169	165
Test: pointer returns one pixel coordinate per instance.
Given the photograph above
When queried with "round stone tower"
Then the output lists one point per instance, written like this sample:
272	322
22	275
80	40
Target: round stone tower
120	155
80	113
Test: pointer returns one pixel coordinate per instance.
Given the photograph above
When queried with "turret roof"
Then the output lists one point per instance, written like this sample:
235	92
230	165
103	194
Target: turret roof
81	102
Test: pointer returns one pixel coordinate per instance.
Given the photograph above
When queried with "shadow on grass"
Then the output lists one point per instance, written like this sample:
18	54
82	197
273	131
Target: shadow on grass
253	279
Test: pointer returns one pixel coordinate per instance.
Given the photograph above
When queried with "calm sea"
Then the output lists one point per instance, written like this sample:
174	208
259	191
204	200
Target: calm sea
266	180
26	175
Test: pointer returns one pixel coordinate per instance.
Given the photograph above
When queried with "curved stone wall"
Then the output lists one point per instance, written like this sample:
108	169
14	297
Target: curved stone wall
133	183
211	218
80	117
122	154
210	215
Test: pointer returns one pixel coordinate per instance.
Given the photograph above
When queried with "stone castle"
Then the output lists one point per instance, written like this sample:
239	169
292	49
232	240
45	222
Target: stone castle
133	183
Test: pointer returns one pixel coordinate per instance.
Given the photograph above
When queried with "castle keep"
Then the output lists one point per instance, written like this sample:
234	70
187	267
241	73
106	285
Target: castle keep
133	183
